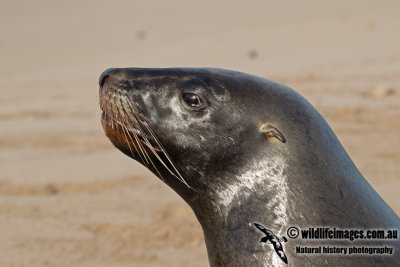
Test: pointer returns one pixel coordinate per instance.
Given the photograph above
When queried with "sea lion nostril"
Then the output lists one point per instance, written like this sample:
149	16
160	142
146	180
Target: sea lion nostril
107	74
103	80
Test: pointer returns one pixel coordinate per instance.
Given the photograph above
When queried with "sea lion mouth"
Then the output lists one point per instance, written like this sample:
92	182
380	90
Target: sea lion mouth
132	131
119	119
129	132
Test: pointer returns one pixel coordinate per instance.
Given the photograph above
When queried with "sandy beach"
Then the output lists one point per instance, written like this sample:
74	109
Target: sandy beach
69	198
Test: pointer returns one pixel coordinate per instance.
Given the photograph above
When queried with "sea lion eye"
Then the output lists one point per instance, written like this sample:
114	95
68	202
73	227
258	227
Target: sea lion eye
192	100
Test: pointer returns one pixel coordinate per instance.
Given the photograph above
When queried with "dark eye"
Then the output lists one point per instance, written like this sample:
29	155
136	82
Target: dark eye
192	100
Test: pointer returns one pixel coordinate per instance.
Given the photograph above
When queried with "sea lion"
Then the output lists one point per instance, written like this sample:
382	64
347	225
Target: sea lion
241	149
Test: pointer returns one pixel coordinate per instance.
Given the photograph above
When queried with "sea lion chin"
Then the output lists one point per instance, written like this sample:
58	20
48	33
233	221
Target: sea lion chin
244	152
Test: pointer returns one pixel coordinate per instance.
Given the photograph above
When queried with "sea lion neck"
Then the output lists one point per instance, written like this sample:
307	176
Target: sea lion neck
228	210
271	193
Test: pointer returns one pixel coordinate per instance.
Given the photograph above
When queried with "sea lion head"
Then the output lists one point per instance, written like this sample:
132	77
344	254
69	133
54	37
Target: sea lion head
190	126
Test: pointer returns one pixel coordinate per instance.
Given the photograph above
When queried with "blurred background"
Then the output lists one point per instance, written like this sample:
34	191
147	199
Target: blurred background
68	198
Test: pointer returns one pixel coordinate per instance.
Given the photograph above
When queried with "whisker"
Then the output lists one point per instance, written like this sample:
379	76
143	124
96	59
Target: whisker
123	130
113	117
152	162
140	128
166	154
136	138
142	150
155	154
179	177
158	156
145	158
111	110
127	116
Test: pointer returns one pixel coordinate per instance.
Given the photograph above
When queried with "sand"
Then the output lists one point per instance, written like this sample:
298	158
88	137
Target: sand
68	198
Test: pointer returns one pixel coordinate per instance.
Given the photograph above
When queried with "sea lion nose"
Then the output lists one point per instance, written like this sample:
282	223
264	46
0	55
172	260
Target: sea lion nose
105	75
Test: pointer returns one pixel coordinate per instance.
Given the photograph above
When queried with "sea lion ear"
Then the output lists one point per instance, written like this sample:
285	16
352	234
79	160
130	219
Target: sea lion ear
271	131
